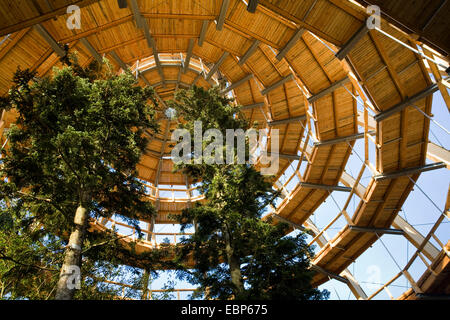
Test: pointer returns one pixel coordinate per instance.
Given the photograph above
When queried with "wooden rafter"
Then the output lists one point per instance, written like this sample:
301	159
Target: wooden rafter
222	15
249	52
297	35
50	40
217	65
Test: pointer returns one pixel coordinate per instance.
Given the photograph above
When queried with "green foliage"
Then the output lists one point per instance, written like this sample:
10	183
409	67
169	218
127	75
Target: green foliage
236	254
77	140
31	257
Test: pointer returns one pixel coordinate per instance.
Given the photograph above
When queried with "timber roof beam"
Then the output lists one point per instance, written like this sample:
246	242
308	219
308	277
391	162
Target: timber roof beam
286	121
328	90
119	61
188	55
409	171
378	230
253	106
277	84
249	52
324	187
330	274
238	83
50	40
222	15
91	49
297	35
217	65
402	105
202	36
352	42
342	139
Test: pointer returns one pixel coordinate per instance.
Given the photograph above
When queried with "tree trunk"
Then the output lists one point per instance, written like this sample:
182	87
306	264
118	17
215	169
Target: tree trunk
235	267
145	281
70	276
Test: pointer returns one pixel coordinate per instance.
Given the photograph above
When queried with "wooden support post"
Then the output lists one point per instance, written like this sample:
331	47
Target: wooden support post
277	84
416	238
402	105
50	40
438	154
249	52
217	65
328	90
222	15
297	35
350	44
354	286
237	83
412	282
371	123
92	50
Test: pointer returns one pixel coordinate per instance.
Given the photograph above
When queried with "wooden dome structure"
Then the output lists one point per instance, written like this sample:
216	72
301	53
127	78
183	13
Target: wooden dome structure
311	69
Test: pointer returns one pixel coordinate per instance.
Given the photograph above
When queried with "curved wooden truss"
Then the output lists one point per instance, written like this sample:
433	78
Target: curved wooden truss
282	64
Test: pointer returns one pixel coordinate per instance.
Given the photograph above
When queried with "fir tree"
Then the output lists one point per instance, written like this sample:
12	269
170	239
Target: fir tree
72	154
237	255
